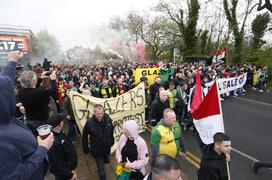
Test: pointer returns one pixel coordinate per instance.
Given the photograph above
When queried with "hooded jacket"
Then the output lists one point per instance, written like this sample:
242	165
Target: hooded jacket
20	156
132	127
212	166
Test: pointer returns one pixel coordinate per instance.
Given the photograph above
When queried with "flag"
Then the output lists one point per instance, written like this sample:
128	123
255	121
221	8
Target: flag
159	65
197	99
219	56
208	117
166	73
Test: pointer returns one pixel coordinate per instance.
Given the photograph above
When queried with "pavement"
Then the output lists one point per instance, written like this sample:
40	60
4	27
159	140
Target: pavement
247	120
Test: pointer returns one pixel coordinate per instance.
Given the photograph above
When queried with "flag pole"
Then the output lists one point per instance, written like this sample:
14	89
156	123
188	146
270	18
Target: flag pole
221	112
221	115
227	55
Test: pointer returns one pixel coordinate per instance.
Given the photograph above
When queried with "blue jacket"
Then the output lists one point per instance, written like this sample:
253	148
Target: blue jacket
20	156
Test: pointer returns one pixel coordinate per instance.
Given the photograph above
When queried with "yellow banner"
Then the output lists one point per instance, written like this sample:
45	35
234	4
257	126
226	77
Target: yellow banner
129	106
150	73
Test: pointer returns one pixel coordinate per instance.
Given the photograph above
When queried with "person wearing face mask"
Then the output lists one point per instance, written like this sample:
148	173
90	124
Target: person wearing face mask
132	151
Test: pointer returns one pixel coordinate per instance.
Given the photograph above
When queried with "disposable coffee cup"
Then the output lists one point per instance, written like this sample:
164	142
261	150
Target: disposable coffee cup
44	131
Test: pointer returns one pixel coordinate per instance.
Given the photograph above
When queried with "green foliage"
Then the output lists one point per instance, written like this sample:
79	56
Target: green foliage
258	27
234	26
261	57
203	42
187	30
190	31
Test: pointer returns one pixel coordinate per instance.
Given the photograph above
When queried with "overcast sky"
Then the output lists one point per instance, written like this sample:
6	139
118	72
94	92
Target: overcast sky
71	21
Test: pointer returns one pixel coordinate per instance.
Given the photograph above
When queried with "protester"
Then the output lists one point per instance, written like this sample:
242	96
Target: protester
181	103
154	88
106	90
164	167
22	155
46	64
158	106
36	100
166	137
132	150
62	155
172	94
214	164
62	88
94	90
99	128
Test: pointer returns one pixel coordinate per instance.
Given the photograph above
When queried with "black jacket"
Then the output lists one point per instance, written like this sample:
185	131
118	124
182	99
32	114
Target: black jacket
157	108
212	166
154	89
62	157
100	136
36	100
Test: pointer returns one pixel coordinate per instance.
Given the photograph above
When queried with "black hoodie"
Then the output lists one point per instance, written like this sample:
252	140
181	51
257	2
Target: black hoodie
212	166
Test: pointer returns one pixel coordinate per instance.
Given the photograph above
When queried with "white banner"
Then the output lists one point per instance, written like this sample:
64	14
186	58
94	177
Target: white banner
229	84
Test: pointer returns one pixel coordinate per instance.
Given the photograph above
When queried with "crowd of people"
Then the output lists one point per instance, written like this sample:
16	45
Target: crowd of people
32	96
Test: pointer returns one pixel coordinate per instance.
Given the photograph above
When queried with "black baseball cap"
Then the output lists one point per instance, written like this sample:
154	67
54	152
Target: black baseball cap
56	119
92	82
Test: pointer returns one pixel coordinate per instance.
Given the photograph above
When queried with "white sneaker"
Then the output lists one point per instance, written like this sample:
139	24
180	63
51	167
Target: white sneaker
261	90
235	94
221	99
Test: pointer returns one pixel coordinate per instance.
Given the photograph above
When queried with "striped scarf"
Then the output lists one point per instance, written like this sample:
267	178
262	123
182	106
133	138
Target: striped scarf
104	92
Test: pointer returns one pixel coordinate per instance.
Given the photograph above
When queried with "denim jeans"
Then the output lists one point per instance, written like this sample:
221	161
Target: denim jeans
100	162
261	85
71	130
180	112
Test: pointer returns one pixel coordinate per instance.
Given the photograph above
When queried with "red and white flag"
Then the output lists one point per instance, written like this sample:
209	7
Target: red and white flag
159	65
219	56
197	99
208	117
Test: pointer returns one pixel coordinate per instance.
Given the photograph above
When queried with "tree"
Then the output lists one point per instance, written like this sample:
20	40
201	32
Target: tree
188	29
258	27
238	33
267	5
204	41
46	45
157	33
153	34
117	23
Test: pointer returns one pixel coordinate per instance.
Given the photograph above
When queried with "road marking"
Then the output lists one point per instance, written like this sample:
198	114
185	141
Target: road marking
250	100
195	164
192	156
245	155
